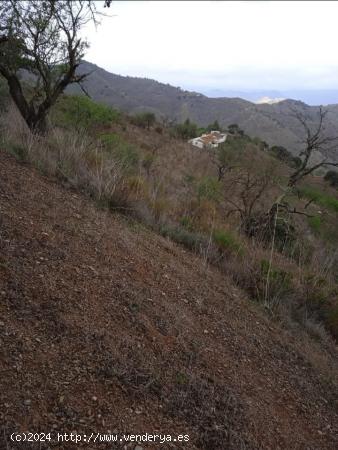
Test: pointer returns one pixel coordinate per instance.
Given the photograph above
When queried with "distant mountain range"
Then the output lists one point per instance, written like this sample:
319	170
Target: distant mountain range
311	97
274	123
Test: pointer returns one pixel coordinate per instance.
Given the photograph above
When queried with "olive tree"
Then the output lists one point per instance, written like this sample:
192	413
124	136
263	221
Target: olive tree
41	40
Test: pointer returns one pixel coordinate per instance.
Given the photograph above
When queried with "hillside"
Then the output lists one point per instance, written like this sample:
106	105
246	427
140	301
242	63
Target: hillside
273	123
107	326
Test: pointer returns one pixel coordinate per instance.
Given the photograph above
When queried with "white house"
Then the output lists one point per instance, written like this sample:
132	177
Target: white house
212	139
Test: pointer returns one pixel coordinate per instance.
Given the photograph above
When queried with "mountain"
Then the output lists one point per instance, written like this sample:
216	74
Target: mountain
313	97
275	123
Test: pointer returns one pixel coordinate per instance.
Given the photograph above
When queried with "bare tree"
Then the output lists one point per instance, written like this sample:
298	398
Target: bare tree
244	191
315	140
42	39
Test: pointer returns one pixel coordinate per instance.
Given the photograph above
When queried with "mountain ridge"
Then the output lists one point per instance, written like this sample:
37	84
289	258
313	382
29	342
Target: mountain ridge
273	123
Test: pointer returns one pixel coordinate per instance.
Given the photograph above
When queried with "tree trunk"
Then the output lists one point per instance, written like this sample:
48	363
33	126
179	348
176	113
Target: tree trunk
37	123
35	120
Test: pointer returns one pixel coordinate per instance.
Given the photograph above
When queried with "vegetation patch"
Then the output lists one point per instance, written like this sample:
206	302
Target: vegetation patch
188	239
209	188
315	223
228	241
321	198
80	112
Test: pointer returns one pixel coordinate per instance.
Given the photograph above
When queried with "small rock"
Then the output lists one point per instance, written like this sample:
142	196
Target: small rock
27	402
2	324
94	398
138	447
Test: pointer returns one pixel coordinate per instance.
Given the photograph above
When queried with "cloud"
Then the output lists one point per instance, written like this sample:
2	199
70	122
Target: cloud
238	44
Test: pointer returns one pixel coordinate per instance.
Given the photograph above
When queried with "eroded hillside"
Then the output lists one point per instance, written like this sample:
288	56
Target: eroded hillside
107	326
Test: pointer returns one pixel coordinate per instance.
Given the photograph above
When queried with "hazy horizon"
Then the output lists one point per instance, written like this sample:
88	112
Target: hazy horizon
247	47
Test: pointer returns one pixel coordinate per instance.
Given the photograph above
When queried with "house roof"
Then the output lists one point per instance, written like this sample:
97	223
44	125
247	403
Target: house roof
214	137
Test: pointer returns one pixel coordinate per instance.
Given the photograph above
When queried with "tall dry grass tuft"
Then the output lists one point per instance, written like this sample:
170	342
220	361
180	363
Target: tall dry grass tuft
76	158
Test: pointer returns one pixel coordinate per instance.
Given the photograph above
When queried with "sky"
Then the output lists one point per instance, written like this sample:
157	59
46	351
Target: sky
242	45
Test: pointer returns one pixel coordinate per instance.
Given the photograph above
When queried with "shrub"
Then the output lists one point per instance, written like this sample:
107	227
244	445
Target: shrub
18	150
320	198
109	140
191	240
226	240
144	120
235	129
80	112
332	177
186	223
186	130
285	156
209	188
215	126
127	155
315	223
279	283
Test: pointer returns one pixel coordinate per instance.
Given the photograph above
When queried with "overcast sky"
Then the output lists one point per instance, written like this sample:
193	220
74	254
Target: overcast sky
232	45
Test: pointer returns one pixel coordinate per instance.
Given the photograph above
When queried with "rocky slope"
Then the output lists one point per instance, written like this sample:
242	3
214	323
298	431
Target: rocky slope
106	327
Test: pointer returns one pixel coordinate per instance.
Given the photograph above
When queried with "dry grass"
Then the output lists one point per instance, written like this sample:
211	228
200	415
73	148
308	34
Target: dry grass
75	158
174	189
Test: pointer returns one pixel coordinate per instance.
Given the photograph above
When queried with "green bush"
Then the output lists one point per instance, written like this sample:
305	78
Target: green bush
226	240
127	155
80	112
209	188
215	126
315	223
321	198
19	151
235	129
231	151
284	155
188	239
280	281
144	120
186	223
110	140
186	130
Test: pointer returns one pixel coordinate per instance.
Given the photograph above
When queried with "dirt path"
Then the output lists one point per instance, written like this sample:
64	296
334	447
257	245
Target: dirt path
106	327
